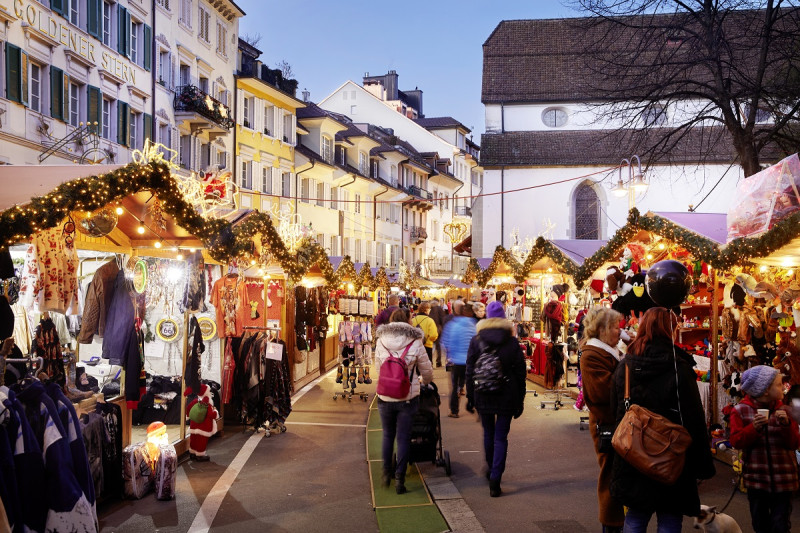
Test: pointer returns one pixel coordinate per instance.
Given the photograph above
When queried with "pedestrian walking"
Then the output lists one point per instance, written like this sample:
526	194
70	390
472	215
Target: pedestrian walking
438	314
495	338
457	334
662	379
428	327
392	305
400	339
599	357
762	427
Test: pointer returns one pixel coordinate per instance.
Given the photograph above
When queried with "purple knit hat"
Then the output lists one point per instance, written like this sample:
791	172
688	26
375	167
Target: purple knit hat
757	380
495	310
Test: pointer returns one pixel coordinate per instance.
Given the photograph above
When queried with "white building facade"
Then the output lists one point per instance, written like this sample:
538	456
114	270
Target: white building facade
549	143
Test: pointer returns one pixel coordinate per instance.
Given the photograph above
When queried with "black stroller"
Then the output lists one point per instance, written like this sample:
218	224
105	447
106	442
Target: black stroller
426	430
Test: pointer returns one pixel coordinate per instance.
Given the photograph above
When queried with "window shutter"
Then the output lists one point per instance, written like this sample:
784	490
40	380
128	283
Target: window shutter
93	17
172	71
58	6
121	30
93	111
258	115
65	98
123	120
240	107
23	71
147	59
147	125
293	136
13	73
56	93
174	139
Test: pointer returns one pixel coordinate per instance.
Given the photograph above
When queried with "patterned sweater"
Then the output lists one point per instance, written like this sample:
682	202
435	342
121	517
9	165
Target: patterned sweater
769	458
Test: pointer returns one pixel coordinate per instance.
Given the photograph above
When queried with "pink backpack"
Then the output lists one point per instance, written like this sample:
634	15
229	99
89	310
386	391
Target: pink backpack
393	377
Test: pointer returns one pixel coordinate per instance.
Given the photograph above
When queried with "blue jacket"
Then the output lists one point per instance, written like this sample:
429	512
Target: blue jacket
456	337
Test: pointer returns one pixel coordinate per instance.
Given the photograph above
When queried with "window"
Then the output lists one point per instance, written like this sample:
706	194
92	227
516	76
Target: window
363	163
762	115
435	230
164	68
286	184
185	74
374	169
269	119
133	130
554	117
341	155
334	245
222	39
357	204
74	12
136	29
288	128
203	21
357	251
203	84
185	147
334	197
344	196
205	156
106	118
246	181
247	112
163	3
164	136
395	211
586	219
266	180
327	149
395	251
306	185
654	115
320	194
75	104
35	85
186	12
106	24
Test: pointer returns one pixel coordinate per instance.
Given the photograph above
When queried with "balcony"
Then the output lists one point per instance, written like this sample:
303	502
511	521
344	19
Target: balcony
418	234
201	111
419	192
463	211
421	198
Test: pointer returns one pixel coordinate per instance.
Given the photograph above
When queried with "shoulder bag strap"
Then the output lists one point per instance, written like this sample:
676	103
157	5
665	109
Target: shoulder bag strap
627	399
677	382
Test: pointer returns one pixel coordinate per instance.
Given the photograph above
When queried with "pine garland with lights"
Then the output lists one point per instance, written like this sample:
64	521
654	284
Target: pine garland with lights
382	280
346	273
364	278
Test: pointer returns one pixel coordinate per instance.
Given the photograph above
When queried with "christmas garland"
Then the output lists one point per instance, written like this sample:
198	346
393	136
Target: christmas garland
364	278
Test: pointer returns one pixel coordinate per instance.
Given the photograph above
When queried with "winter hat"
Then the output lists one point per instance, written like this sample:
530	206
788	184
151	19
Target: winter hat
495	310
757	380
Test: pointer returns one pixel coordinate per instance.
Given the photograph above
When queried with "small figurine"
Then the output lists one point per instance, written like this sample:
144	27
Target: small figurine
203	422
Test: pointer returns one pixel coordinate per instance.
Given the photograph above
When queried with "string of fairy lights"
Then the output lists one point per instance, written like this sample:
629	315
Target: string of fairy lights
231	242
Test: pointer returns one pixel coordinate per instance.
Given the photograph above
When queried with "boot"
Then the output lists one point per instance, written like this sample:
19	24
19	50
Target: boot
367	379
386	478
339	374
352	377
400	485
494	488
612	529
361	374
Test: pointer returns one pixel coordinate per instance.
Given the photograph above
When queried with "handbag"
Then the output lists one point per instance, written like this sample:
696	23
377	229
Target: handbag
605	432
649	442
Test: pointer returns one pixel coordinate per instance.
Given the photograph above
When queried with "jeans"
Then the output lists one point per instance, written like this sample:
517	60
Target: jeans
495	442
636	522
770	512
458	378
396	420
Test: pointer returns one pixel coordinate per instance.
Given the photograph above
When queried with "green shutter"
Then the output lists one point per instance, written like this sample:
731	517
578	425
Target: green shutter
13	73
122	30
147	127
148	47
93	17
93	110
58	6
123	120
56	93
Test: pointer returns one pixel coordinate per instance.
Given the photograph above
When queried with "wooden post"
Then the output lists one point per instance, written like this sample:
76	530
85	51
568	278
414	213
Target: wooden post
183	373
713	369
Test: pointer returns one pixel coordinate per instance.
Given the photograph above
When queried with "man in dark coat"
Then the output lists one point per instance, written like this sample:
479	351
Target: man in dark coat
656	385
383	316
496	409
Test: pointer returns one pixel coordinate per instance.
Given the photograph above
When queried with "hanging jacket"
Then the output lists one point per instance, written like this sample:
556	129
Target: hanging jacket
393	338
653	386
770	463
457	334
498	334
98	300
119	323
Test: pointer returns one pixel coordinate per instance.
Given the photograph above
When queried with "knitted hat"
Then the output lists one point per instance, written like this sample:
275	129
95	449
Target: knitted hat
495	310
757	380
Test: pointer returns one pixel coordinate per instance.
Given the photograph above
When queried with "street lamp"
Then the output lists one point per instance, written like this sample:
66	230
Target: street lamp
635	182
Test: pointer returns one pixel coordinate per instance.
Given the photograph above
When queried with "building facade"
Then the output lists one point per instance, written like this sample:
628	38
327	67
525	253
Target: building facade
550	141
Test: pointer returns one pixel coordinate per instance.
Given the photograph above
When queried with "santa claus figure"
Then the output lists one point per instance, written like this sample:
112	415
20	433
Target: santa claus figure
201	428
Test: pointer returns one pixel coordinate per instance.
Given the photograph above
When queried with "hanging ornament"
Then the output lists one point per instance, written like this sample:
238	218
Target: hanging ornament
157	215
97	223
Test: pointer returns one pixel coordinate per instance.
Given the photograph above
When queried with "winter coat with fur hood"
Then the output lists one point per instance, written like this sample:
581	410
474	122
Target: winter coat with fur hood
498	334
394	337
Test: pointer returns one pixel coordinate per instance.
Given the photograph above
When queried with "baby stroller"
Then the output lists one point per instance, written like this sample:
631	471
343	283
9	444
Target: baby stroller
426	430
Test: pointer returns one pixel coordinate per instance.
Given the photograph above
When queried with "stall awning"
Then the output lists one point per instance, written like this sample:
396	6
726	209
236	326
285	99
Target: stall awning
578	249
39	180
710	225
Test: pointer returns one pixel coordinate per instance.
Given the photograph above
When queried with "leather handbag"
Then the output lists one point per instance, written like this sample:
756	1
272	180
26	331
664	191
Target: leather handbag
649	442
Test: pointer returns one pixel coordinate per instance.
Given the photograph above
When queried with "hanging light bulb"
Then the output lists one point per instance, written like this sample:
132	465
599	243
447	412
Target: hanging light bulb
140	229
157	244
179	257
120	210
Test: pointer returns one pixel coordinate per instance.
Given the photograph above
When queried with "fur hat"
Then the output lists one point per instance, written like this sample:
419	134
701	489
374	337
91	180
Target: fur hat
495	310
757	380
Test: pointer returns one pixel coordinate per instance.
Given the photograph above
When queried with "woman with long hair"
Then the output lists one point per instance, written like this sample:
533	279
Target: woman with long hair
662	379
599	358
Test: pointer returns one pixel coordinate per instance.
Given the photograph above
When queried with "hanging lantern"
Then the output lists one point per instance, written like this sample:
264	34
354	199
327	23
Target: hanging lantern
96	223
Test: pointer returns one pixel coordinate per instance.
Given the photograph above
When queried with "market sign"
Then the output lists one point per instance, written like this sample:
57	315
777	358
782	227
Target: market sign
765	198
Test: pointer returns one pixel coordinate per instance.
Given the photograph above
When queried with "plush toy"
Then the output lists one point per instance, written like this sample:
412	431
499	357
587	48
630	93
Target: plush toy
614	279
200	428
629	262
635	301
719	442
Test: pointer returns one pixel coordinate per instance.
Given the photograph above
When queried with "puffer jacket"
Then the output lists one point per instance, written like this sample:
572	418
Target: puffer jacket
498	334
394	337
456	337
428	327
653	386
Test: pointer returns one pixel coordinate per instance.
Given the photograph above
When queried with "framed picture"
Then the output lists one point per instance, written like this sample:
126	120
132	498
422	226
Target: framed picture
208	328
168	329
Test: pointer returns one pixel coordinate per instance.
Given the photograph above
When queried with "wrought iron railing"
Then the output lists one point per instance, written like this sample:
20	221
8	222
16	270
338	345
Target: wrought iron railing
463	211
191	98
418	233
419	192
